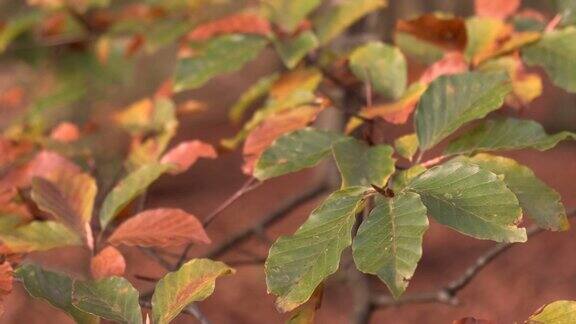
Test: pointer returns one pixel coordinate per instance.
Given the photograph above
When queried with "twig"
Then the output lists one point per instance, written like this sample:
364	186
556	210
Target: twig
448	293
248	186
268	220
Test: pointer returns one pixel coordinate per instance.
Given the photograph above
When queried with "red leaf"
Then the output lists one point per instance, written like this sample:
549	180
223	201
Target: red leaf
185	154
163	227
451	63
262	136
65	132
6	282
242	23
108	263
500	9
11	98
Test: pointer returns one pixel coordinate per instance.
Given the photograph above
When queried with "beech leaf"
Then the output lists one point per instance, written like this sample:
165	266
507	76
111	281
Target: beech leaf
194	281
496	8
39	236
162	227
185	154
288	14
108	263
558	312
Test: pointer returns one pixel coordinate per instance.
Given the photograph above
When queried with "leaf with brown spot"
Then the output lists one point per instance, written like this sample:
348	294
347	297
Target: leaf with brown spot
162	227
108	263
272	128
194	281
185	154
500	9
447	33
239	23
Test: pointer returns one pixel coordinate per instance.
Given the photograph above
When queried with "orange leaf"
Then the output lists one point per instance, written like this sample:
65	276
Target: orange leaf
163	227
108	263
397	112
242	23
500	9
6	281
448	33
65	132
185	154
282	123
11	98
451	63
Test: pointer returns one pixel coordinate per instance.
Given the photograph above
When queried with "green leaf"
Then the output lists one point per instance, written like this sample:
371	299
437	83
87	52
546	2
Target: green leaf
470	200
558	312
17	26
389	241
506	134
293	152
289	13
216	56
111	298
54	288
332	22
129	188
297	264
39	236
194	281
381	65
555	52
406	146
362	165
567	9
291	51
255	92
421	50
482	33
541	203
453	100
401	178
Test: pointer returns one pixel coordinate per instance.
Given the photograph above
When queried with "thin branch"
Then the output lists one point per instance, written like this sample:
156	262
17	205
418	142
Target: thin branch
448	293
268	220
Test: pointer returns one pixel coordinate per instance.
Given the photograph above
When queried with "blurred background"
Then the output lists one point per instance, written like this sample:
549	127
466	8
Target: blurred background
509	290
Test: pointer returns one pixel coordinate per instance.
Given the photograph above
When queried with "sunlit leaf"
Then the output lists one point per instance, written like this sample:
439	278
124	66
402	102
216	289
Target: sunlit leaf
39	236
389	241
293	152
451	101
239	23
363	165
217	56
289	13
54	288
112	298
541	203
129	188
293	50
297	264
406	146
332	22
162	227
382	66
194	281
506	134
107	263
471	200
567	8
256	91
555	52
558	312
483	37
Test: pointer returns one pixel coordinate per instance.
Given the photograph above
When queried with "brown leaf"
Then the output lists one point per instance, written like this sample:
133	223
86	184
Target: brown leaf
163	227
242	23
496	8
472	320
108	263
451	63
282	123
65	132
185	154
448	33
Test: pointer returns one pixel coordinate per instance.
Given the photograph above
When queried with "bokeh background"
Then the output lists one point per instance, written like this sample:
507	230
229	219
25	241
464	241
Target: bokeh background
508	290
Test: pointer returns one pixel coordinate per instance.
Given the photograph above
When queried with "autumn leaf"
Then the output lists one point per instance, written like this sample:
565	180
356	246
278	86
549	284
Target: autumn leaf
163	227
6	282
65	132
472	320
447	33
452	63
11	98
185	154
136	115
108	263
399	111
496	8
240	23
282	123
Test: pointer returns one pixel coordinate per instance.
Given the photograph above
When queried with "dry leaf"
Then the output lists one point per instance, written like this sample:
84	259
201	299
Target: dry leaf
185	154
448	33
500	9
275	126
108	263
242	23
163	227
65	132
